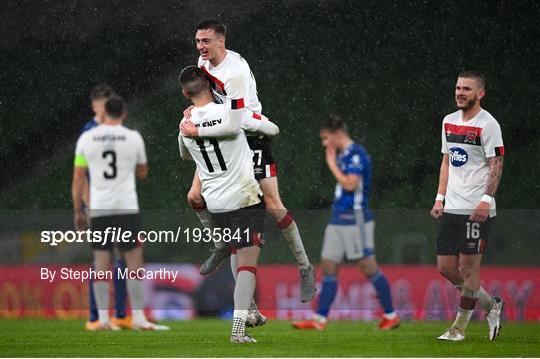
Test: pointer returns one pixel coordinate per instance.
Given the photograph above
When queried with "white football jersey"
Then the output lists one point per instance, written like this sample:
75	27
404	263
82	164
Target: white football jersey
224	164
232	79
111	153
469	145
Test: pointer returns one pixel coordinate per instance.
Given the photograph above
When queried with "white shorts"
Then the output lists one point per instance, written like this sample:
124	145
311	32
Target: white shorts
352	242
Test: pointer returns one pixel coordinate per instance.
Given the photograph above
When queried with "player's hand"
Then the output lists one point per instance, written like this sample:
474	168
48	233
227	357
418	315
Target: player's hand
187	112
79	220
437	210
330	155
188	129
481	212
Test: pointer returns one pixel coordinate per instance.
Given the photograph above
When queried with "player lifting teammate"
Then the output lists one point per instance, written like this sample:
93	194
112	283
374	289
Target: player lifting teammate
470	173
232	79
231	193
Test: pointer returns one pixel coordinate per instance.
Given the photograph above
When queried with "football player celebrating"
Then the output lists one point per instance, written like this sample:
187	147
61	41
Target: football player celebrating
470	173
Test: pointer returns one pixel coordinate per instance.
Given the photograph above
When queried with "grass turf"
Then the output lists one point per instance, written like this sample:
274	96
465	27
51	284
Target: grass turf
210	338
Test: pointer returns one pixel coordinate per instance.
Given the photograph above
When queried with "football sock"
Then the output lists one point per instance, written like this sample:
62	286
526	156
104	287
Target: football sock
206	220
243	297
234	271
120	290
328	294
290	232
383	292
101	293
135	290
484	299
466	309
92	300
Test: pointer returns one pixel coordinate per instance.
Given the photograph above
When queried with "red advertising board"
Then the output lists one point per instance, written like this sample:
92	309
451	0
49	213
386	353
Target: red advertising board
419	292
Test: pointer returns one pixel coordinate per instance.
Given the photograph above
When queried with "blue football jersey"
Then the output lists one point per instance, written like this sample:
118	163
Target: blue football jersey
351	207
89	125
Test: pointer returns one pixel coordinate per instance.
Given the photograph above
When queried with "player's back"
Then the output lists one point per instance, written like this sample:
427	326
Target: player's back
233	79
112	153
224	164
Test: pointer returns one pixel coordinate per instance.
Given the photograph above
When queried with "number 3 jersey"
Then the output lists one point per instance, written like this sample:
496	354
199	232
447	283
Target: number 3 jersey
111	153
469	145
224	164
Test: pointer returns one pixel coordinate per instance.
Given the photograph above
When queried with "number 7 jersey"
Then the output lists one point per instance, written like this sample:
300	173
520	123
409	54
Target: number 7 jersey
111	154
224	164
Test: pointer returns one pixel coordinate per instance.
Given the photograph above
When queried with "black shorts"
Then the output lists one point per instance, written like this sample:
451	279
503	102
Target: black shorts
459	235
117	224
246	225
264	165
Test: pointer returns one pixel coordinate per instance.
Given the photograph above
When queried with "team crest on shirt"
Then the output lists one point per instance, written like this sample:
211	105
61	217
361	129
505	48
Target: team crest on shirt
470	137
458	156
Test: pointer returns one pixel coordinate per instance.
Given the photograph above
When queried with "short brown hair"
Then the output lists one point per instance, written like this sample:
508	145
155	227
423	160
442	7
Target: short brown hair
333	123
101	91
478	76
213	24
193	80
115	106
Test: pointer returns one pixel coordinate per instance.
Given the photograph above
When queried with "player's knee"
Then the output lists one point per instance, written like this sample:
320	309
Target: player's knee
466	270
445	272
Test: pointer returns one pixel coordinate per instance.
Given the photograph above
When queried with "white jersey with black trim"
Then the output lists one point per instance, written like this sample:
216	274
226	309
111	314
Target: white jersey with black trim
232	79
469	144
111	153
224	164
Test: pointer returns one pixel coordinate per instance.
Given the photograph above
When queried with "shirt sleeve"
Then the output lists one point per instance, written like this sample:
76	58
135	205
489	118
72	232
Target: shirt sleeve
230	124
492	141
444	144
253	122
141	152
80	159
355	165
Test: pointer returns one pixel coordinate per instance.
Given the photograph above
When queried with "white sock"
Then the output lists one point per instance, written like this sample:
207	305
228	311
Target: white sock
391	315
135	292
101	293
233	266
290	232
206	220
243	298
462	319
484	299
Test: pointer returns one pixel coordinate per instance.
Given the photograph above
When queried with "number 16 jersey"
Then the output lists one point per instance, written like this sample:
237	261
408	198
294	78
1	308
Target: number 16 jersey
111	154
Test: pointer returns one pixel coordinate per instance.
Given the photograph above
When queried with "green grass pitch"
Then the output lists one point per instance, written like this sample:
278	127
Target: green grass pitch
210	338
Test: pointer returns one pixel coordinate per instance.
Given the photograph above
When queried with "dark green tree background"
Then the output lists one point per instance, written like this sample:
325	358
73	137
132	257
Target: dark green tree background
387	68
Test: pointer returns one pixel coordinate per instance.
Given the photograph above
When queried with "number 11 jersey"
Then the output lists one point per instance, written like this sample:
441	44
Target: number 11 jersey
224	164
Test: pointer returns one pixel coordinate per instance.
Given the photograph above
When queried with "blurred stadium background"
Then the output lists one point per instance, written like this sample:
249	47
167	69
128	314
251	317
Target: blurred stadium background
387	68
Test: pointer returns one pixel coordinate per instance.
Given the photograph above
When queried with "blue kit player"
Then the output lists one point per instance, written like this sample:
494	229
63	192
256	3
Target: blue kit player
350	233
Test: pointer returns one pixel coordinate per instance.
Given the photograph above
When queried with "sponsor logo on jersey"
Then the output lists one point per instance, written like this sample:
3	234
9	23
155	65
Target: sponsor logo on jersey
458	156
471	245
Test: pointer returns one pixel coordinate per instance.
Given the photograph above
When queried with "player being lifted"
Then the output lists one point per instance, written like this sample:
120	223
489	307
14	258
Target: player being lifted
232	79
228	185
470	173
113	155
